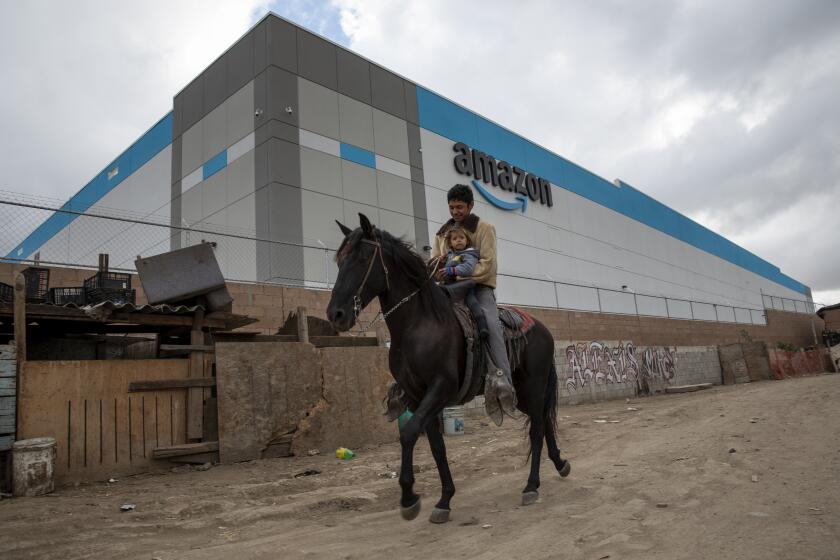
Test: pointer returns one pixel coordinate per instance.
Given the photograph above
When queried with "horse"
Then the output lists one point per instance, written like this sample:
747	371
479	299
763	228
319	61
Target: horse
427	355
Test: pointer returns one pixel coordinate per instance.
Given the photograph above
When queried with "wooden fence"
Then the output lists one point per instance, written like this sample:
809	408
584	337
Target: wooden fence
101	429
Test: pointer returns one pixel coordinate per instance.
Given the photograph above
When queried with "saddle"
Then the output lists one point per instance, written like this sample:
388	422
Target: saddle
516	324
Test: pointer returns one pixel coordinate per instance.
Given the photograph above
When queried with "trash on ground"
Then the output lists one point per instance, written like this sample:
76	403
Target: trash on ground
470	521
754	478
661	505
600	421
390	474
486	526
112	480
732	450
313	452
127	507
308	472
344	453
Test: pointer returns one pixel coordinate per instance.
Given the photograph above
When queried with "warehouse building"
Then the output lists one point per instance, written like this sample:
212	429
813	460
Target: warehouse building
286	132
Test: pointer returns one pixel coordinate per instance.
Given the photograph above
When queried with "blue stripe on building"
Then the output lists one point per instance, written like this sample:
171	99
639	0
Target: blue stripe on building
452	121
358	155
214	165
136	156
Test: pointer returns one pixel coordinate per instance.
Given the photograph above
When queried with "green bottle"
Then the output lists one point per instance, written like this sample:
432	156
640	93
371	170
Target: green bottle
344	453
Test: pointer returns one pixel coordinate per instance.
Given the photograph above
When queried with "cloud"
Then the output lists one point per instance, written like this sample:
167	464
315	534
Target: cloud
724	111
83	80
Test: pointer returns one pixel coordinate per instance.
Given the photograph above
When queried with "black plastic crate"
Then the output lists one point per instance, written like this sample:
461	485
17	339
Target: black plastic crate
118	296
7	293
37	283
109	281
63	296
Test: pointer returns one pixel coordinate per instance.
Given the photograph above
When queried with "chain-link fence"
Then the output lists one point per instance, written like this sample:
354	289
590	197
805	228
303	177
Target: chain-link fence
43	230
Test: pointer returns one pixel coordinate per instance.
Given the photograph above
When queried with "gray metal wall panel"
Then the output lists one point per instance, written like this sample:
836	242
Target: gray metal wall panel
192	148
177	116
215	84
283	162
390	136
320	172
421	235
415	156
239	113
412	114
395	193
213	133
282	44
260	34
318	109
281	92
193	104
316	59
353	76
355	122
240	64
176	164
387	91
175	216
277	129
358	183
417	175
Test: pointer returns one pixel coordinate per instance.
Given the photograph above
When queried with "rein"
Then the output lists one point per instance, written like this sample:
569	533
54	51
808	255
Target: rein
357	300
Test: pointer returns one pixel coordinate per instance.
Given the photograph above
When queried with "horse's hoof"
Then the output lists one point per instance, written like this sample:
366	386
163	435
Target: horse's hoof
439	515
567	468
411	512
529	498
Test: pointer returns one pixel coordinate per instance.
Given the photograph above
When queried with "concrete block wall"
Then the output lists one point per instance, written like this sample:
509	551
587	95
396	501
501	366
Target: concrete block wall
590	371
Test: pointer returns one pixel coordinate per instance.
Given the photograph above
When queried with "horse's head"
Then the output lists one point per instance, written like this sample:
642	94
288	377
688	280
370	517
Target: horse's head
362	274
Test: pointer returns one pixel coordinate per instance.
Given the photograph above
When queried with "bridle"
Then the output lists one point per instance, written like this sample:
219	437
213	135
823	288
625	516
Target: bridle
357	300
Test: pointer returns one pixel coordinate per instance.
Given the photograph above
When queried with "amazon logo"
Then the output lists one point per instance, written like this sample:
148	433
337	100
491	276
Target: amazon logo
485	168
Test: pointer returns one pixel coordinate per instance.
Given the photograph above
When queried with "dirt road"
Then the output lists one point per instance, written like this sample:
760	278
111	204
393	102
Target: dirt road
751	471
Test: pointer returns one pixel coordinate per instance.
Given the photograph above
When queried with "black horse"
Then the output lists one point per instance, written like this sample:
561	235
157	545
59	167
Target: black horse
427	356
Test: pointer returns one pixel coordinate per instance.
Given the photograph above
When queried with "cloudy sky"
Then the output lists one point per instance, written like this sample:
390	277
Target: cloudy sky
725	110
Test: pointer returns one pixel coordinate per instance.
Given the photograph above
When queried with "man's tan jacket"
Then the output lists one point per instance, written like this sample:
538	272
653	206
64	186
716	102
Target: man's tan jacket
484	240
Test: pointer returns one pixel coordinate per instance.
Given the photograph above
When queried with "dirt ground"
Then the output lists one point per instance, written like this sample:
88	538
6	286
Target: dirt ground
750	471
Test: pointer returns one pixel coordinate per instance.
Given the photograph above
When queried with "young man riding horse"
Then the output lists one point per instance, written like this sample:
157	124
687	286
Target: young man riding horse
461	202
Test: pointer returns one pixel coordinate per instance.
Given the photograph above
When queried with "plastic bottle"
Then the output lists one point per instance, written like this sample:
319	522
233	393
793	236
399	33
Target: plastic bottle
344	453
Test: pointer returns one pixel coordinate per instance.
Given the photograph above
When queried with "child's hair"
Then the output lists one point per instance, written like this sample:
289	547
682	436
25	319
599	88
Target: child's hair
461	230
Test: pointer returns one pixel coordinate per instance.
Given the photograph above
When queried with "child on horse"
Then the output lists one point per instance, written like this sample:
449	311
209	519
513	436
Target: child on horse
461	260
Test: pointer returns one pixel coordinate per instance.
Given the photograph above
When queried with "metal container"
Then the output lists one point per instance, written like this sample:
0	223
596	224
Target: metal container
181	274
33	466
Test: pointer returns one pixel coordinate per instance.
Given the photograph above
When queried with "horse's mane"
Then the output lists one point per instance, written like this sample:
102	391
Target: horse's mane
409	263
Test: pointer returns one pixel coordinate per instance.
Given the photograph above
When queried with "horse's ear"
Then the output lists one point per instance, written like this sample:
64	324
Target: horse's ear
344	229
367	227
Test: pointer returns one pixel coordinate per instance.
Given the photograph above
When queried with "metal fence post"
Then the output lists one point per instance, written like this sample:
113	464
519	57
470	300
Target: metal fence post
598	293
667	309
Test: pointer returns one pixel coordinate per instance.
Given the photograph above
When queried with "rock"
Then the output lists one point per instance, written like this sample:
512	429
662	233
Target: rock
112	480
661	505
732	450
754	478
127	507
470	521
204	467
486	526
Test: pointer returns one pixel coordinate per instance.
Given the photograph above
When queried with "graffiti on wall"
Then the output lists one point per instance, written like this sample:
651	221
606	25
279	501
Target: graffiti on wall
600	363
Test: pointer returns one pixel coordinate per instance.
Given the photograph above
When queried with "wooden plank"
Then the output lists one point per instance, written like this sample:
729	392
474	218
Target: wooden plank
7	405
136	428
343	341
8	368
20	330
195	396
6	442
185	348
179	417
8	352
92	443
164	419
186	449
7	424
302	325
150	424
8	386
162	384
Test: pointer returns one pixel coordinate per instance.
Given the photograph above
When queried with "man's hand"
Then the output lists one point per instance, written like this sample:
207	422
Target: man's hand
440	275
